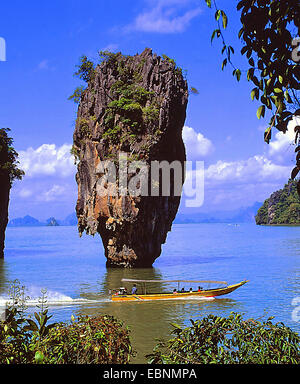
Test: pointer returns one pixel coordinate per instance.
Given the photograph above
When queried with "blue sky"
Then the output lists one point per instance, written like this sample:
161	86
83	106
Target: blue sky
44	41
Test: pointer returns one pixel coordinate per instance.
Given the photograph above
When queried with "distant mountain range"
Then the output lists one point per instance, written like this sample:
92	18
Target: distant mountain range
242	215
29	221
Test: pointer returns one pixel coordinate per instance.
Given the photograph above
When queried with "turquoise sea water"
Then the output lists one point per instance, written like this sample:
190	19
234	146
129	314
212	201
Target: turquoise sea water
73	271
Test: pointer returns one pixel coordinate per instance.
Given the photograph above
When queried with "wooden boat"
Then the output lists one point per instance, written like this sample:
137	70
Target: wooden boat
176	294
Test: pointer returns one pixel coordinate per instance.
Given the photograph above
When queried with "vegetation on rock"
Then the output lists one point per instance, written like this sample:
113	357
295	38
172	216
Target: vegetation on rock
8	158
132	111
282	207
9	171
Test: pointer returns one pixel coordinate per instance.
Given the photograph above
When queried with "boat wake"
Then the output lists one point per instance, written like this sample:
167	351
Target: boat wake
53	298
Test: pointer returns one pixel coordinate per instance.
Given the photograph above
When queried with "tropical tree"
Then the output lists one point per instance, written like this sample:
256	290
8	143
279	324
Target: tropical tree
9	165
269	35
9	171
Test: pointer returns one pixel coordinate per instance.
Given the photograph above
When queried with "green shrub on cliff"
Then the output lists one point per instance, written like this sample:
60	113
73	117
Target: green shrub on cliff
229	340
282	207
8	158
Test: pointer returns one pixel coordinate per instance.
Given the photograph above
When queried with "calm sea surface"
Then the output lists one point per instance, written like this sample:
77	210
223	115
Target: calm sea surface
73	271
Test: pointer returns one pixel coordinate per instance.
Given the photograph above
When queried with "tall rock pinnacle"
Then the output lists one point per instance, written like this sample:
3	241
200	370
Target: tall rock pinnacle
132	112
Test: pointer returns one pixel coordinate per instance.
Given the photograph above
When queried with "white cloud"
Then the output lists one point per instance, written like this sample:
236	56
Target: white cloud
231	184
48	159
164	17
44	64
281	148
197	146
253	170
53	194
24	193
110	47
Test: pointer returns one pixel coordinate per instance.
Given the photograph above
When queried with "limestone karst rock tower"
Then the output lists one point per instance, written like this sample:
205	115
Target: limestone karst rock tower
133	105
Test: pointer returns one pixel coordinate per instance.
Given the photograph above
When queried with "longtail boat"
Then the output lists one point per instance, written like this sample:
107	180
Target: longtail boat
122	295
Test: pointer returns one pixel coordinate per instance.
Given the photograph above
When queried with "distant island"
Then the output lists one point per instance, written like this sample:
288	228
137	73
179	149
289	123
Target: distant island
242	215
281	208
29	221
52	222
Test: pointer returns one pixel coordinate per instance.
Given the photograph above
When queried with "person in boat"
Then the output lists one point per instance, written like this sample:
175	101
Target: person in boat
134	290
191	289
182	289
122	291
200	289
174	291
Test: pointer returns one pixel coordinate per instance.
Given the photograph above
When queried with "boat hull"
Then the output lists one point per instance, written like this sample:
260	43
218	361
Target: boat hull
180	295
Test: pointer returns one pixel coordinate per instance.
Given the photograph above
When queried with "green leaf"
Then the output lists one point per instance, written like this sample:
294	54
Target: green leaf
255	93
39	357
176	325
194	91
244	49
238	74
208	2
277	90
224	19
261	111
216	31
287	97
32	326
217	14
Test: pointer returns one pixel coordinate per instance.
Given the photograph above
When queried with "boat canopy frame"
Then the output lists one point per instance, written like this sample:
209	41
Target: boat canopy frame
143	282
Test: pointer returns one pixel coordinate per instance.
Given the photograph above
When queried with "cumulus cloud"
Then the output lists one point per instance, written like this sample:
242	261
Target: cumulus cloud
53	193
281	148
236	183
165	16
257	168
110	47
197	146
47	160
24	193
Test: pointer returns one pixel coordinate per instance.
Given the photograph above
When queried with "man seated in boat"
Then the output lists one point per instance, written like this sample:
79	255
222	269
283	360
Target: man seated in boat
200	289
174	291
182	289
191	289
122	291
134	290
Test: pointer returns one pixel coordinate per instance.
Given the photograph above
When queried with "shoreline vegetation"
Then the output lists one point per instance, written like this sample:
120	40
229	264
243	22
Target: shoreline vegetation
281	208
26	339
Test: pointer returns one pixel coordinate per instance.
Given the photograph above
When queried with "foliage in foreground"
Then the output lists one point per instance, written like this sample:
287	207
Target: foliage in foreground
229	340
86	340
269	35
